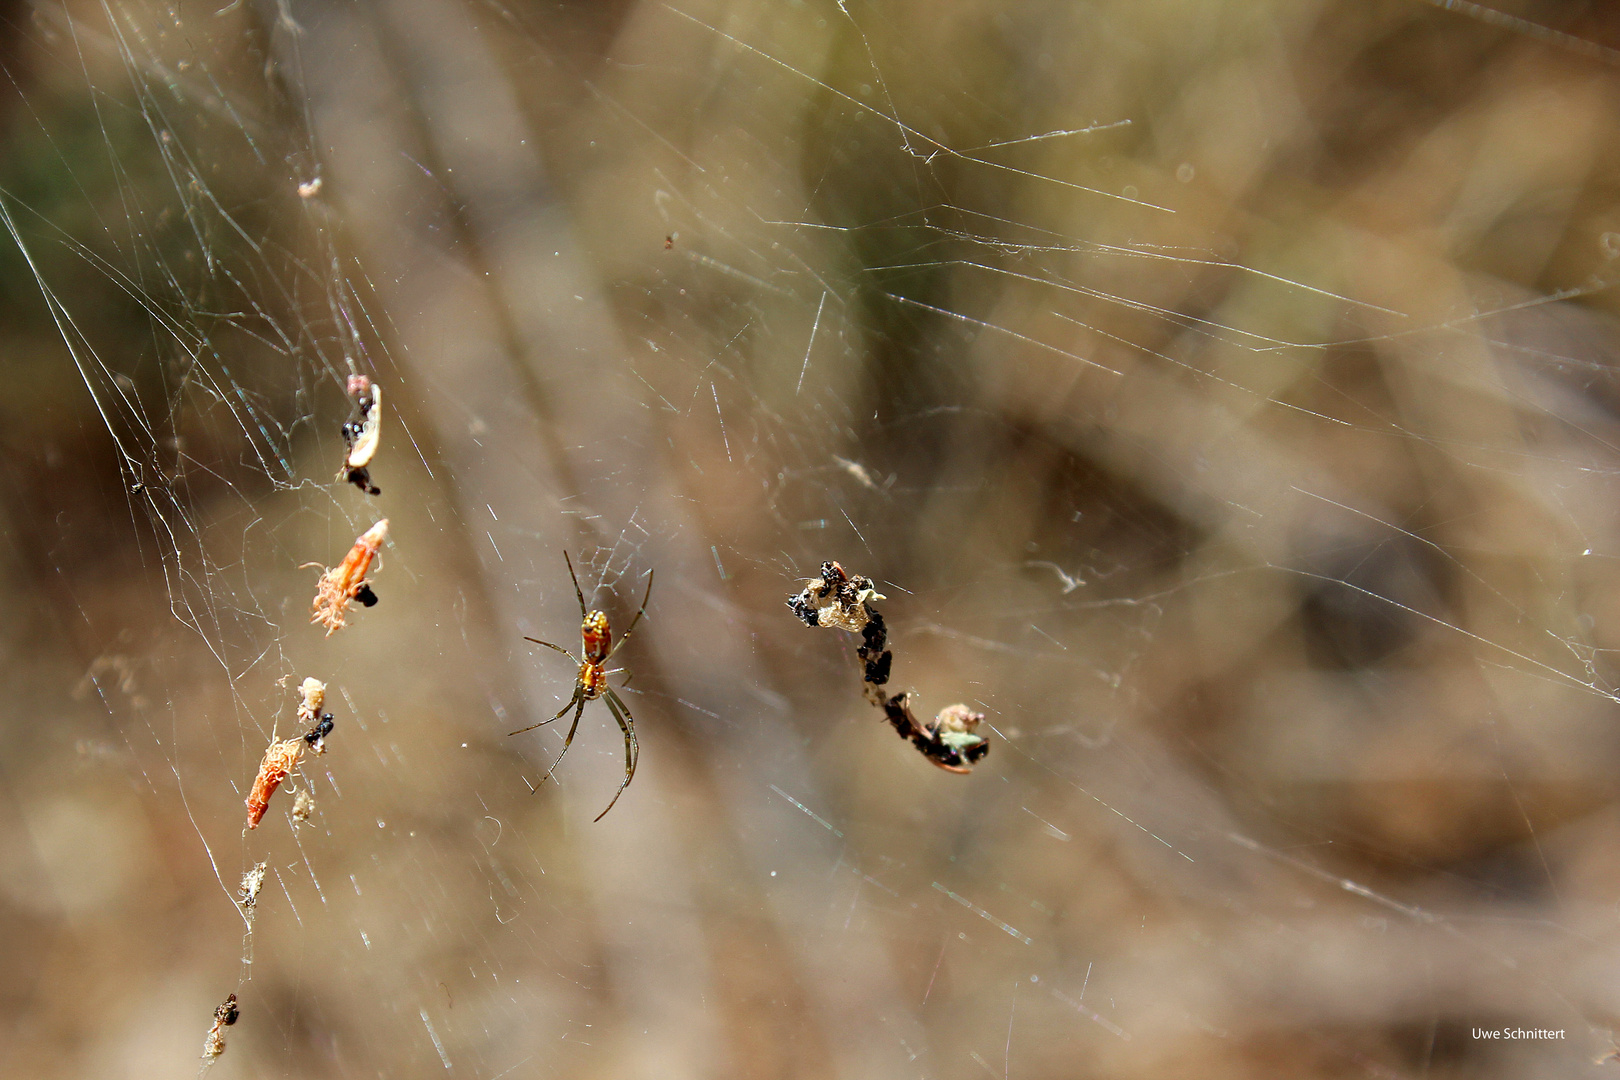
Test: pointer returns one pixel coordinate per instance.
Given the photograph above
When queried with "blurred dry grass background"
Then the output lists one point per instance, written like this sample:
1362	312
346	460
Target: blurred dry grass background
1252	463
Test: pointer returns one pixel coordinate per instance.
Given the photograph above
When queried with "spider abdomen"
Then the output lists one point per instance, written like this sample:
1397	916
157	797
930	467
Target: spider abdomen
596	638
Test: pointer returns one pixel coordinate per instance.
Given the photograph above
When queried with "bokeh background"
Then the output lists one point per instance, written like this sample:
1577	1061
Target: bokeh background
1223	396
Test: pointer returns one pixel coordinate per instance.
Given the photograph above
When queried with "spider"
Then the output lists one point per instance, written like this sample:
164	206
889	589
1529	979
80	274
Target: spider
598	647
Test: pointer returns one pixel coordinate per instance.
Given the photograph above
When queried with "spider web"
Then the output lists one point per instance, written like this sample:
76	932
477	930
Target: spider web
1222	399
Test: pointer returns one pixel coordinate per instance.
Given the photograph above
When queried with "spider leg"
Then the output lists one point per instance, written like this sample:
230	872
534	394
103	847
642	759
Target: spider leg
631	750
578	712
579	693
626	635
575	576
549	645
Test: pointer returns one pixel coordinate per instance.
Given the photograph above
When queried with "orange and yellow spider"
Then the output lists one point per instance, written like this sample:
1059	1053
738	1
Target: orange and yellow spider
598	647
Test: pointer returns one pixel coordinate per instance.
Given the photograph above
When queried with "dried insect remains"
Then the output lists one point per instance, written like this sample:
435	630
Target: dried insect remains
283	756
346	582
303	807
362	434
309	711
248	893
948	740
279	761
224	1016
837	599
597	647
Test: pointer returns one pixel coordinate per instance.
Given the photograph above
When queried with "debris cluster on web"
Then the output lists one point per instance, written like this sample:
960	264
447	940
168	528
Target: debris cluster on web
843	601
